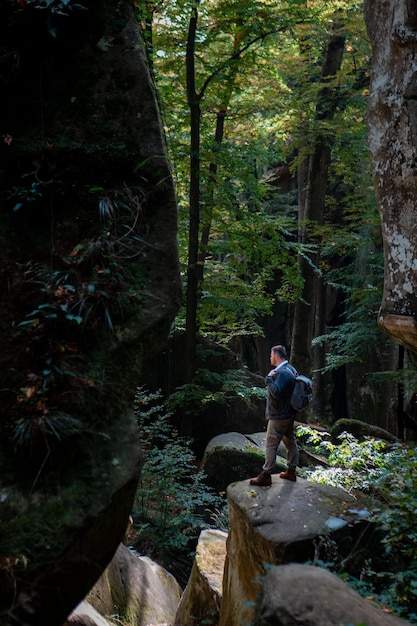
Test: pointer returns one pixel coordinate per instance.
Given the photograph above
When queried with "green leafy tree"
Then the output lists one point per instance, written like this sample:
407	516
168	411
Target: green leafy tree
233	82
246	88
222	46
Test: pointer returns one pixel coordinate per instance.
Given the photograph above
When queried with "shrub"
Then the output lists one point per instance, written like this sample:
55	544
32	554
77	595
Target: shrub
388	473
172	499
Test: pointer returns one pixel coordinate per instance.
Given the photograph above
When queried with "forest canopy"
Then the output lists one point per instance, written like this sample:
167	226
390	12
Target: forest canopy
264	113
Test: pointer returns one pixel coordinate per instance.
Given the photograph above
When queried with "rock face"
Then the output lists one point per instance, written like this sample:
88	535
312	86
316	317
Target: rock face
285	523
202	597
135	589
301	595
104	222
211	417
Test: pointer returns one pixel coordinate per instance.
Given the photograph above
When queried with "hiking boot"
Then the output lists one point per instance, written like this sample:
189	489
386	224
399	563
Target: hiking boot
263	480
289	475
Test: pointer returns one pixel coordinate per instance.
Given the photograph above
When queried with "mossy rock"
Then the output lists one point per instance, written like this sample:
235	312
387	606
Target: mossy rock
360	430
231	457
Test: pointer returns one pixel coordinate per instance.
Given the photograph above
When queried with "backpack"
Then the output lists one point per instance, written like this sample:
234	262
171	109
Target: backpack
302	394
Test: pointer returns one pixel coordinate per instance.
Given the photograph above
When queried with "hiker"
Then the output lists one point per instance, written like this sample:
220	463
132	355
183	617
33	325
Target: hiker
280	417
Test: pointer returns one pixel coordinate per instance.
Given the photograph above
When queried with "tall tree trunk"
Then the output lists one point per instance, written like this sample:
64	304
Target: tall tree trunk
319	351
312	212
200	214
392	139
209	200
194	204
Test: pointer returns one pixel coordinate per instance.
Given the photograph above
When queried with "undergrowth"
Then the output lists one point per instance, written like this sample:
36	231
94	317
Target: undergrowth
212	387
173	503
387	473
74	299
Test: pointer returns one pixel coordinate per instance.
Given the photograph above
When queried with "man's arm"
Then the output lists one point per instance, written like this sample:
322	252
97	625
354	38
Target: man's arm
279	382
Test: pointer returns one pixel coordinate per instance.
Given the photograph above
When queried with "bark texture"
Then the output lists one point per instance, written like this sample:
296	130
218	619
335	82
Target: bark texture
312	207
392	136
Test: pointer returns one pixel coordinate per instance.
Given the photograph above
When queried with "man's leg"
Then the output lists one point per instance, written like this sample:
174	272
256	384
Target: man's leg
271	447
273	438
290	442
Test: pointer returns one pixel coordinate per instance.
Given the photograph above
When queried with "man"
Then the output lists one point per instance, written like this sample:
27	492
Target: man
280	416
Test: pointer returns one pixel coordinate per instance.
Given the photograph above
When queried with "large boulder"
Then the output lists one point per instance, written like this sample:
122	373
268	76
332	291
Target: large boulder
360	430
302	595
202	597
90	281
286	523
233	456
134	588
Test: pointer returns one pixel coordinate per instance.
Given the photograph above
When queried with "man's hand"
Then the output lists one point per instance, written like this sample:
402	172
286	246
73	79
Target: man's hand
272	372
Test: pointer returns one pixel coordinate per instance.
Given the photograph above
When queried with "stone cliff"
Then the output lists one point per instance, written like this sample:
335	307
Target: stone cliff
90	282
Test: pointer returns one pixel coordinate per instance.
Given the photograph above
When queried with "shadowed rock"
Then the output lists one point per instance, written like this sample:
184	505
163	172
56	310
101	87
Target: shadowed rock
286	523
201	600
68	482
302	595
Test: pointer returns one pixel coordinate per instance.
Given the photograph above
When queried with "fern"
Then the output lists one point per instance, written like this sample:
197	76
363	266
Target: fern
389	474
172	499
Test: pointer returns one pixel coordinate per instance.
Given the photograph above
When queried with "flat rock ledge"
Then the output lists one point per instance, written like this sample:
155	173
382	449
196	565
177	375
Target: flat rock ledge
285	523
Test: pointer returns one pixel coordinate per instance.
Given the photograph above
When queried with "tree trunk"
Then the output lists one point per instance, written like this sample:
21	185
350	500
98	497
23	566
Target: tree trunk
212	174
194	204
319	351
392	138
311	214
209	200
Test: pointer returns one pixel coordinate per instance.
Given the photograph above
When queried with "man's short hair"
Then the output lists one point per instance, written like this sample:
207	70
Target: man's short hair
281	351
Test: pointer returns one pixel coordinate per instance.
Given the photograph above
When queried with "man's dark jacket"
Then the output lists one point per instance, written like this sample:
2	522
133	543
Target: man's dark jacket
280	385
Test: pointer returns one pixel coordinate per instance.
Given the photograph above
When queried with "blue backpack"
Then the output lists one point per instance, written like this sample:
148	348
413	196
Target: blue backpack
302	394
